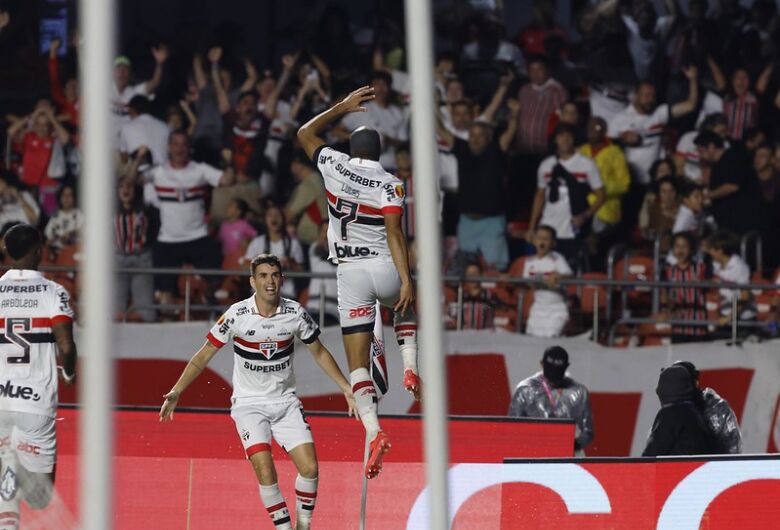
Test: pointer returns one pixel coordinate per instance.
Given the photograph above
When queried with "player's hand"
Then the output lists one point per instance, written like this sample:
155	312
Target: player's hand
168	406
354	101
351	405
406	299
551	281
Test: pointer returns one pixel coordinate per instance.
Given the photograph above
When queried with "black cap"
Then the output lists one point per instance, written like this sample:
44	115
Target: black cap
674	384
688	365
706	137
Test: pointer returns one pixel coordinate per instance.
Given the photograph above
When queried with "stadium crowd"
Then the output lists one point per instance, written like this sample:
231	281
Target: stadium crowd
653	131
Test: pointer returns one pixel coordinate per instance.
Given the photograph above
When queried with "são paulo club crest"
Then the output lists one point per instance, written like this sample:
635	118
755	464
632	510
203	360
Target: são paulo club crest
8	484
268	349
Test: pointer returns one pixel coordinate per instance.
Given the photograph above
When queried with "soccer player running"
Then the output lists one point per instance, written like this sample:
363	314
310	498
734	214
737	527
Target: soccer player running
36	322
365	204
264	403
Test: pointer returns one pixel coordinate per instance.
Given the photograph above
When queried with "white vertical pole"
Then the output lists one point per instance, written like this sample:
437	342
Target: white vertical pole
419	52
96	21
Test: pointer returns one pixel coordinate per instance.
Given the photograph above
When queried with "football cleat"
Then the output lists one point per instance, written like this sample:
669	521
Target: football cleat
378	447
413	384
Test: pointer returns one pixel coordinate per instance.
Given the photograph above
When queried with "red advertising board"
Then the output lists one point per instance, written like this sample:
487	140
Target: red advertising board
665	494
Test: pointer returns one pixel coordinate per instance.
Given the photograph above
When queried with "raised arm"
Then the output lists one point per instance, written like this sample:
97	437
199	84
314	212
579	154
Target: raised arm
446	136
160	56
191	372
288	63
57	93
717	74
762	83
223	102
309	134
689	105
498	97
508	136
325	361
322	68
15	130
198	74
251	76
396	241
185	107
62	134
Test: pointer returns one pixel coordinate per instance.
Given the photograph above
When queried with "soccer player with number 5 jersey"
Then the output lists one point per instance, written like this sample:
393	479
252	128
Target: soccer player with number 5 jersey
365	205
36	323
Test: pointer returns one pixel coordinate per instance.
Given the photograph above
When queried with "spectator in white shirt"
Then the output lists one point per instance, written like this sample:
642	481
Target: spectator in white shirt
729	267
691	217
564	181
548	314
686	156
123	91
143	129
16	205
646	35
640	126
179	189
388	119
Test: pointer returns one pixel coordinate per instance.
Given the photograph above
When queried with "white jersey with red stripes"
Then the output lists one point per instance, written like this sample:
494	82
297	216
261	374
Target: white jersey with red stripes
263	348
29	306
180	194
360	192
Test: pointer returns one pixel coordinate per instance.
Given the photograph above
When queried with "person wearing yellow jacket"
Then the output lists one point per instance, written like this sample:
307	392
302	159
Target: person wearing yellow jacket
614	174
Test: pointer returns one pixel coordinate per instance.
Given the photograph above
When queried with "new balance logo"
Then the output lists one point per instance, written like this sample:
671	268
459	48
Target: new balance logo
12	391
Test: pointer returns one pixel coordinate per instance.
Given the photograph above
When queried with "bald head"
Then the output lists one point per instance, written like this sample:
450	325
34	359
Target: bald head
365	143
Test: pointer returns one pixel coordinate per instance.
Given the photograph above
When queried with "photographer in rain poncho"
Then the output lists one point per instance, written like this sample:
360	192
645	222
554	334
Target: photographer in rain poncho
551	394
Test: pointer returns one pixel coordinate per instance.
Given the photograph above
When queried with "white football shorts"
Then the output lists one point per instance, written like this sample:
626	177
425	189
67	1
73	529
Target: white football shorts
360	285
33	437
258	424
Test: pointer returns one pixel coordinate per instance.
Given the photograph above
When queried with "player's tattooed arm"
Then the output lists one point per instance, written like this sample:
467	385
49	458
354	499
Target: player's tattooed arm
309	134
190	373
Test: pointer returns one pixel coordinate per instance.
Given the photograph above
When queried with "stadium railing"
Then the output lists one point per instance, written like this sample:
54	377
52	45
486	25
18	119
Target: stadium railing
624	286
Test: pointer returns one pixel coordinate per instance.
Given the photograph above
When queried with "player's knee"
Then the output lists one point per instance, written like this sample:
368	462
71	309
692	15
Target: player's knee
309	469
266	474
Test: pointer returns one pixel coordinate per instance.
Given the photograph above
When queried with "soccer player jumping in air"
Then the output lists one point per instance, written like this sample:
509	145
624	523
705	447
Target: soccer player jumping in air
365	205
264	403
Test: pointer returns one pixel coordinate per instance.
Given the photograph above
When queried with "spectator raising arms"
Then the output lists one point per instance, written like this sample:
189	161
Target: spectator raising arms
481	182
143	129
123	91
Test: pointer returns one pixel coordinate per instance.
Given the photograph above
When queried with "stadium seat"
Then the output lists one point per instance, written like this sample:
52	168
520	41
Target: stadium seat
636	268
586	293
232	287
507	292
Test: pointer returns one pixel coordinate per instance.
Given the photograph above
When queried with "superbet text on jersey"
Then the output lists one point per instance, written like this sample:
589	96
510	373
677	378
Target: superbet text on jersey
29	306
360	192
263	348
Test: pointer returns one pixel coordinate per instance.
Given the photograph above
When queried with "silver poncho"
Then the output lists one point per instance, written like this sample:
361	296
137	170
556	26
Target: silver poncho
535	397
723	422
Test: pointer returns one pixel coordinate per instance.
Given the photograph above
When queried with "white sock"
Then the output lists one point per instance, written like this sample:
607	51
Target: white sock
306	498
406	335
365	398
277	508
